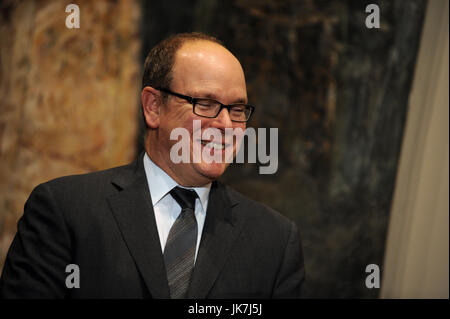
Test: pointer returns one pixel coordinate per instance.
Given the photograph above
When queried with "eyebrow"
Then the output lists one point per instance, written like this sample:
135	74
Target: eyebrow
212	96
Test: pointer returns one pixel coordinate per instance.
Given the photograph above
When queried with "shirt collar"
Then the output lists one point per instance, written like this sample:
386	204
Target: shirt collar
160	184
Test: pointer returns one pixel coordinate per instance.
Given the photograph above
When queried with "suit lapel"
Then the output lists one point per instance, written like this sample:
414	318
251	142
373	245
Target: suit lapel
219	233
133	211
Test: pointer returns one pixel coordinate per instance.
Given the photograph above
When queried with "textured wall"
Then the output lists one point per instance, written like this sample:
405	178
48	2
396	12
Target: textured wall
68	97
338	92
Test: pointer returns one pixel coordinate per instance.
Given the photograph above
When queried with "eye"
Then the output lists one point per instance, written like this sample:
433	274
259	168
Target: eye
238	109
206	103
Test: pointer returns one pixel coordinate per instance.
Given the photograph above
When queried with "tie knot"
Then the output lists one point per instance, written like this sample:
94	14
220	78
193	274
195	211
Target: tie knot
184	197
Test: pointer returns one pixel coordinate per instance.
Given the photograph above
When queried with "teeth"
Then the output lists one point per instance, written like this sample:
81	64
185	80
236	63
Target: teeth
216	146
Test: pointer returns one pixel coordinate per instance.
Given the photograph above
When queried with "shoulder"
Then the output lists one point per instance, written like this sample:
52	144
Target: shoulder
72	187
267	231
259	214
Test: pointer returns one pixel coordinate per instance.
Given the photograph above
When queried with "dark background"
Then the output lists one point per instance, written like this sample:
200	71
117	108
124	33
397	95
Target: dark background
338	93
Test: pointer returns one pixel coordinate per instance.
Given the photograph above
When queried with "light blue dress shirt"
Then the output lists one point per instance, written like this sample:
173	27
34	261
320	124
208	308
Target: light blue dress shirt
165	207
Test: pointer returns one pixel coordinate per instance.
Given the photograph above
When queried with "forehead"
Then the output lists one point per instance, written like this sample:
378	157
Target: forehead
207	66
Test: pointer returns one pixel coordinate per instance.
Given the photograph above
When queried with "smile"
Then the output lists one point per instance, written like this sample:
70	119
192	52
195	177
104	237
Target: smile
214	145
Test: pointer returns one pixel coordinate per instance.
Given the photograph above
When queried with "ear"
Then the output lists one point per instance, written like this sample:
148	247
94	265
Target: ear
151	103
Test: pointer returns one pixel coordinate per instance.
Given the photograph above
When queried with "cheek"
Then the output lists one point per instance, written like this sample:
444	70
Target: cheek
242	126
176	118
239	126
196	125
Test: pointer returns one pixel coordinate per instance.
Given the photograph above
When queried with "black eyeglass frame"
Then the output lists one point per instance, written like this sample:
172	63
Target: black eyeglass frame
193	101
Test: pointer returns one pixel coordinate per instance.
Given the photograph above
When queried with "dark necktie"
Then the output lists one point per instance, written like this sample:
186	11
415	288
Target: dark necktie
179	253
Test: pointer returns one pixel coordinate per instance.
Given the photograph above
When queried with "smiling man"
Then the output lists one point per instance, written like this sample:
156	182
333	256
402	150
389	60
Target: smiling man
156	228
201	69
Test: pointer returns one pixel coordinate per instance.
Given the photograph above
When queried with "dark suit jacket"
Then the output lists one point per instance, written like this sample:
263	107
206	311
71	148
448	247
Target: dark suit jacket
104	223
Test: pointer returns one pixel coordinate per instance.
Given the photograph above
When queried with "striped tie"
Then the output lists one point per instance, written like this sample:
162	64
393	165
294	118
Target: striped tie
179	252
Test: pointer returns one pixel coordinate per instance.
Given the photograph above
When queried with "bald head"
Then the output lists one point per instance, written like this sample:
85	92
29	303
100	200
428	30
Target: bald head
207	69
161	58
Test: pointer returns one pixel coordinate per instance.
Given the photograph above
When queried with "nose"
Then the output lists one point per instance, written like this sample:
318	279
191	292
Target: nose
223	120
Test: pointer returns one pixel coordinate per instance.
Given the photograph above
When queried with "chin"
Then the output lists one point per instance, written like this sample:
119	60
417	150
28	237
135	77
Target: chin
212	171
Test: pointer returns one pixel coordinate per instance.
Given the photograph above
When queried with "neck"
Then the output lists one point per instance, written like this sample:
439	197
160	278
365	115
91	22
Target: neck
171	170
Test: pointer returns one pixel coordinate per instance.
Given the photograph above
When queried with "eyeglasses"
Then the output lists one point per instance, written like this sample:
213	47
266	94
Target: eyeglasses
211	108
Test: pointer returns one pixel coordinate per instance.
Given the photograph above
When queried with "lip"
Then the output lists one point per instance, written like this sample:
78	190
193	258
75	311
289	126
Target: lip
208	147
206	142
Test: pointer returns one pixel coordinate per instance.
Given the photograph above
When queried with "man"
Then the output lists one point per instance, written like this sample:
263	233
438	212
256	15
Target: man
156	228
